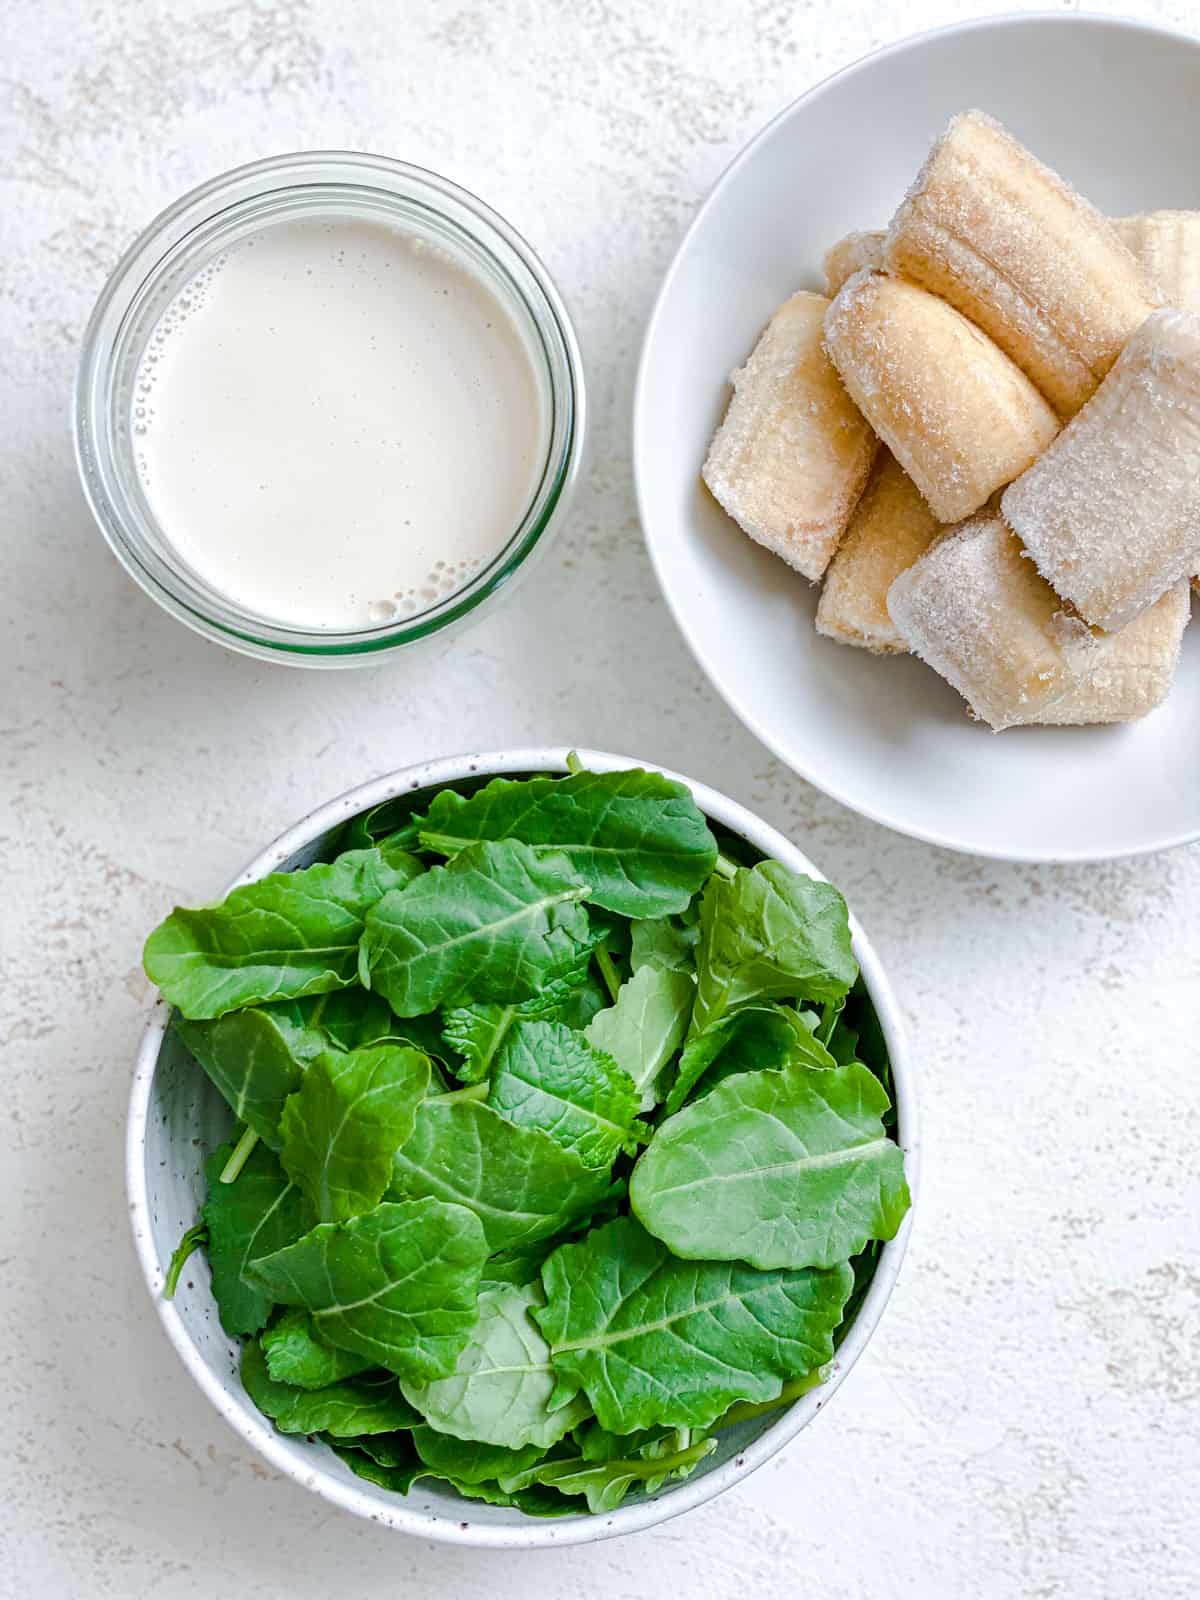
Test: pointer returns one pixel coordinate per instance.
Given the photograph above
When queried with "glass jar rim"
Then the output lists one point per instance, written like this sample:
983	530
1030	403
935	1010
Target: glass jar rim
514	272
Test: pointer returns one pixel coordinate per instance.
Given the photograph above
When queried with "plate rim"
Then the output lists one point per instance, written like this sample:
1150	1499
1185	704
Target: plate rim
915	41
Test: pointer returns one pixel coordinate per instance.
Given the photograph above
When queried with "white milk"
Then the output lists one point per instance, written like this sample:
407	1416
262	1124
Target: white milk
336	424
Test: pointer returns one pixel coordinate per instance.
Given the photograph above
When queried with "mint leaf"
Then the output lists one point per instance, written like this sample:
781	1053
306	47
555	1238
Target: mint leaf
548	1077
787	1168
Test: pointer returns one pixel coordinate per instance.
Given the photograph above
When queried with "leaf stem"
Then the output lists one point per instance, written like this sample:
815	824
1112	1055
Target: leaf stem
725	868
196	1236
612	978
574	764
240	1156
744	1410
472	1091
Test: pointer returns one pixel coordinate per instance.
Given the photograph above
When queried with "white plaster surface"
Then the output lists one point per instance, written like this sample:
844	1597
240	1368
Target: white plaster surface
1026	1422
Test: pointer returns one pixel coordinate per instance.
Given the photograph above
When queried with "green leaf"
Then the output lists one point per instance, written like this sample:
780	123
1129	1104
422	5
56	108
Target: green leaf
749	1040
289	934
522	1184
769	933
548	1077
398	1476
261	1211
468	1461
295	1355
646	1026
477	1032
256	1059
666	942
398	1285
780	1169
343	1126
346	1018
521	1265
343	1409
654	1340
636	837
500	1390
497	924
606	1483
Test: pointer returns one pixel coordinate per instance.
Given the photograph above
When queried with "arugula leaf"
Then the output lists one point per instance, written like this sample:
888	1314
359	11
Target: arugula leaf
477	1032
260	1211
500	1390
636	837
256	1059
398	1284
646	1026
521	1184
780	1169
666	942
289	934
344	1410
468	1461
497	924
769	933
343	1126
548	1077
606	1483
193	1239
654	1340
748	1040
296	1356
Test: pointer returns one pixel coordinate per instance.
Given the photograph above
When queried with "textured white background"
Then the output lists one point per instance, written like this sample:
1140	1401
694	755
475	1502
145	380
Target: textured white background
1026	1422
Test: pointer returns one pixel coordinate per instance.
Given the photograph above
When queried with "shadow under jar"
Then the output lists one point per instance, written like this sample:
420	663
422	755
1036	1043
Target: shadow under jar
368	246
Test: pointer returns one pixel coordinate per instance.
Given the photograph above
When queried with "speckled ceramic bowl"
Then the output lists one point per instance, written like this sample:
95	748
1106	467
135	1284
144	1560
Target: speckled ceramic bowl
175	1116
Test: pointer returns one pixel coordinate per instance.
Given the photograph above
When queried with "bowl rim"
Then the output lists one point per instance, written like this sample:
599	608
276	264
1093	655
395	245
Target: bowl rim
530	1532
864	807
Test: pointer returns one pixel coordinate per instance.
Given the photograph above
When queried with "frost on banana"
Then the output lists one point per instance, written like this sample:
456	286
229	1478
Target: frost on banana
1111	512
890	528
850	255
959	417
1167	244
1129	673
791	458
975	610
1004	239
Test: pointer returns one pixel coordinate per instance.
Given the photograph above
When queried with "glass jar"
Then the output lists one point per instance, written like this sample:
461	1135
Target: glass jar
189	236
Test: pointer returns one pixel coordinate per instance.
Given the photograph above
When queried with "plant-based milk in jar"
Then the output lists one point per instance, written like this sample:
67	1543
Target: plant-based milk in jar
337	424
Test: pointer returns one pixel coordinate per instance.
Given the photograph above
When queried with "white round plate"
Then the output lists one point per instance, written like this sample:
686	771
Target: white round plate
1108	103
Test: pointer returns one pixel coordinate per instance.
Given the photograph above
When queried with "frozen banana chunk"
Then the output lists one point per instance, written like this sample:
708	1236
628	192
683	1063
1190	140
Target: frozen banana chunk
1167	243
1013	247
890	528
790	459
974	608
1130	672
1111	512
850	255
956	413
